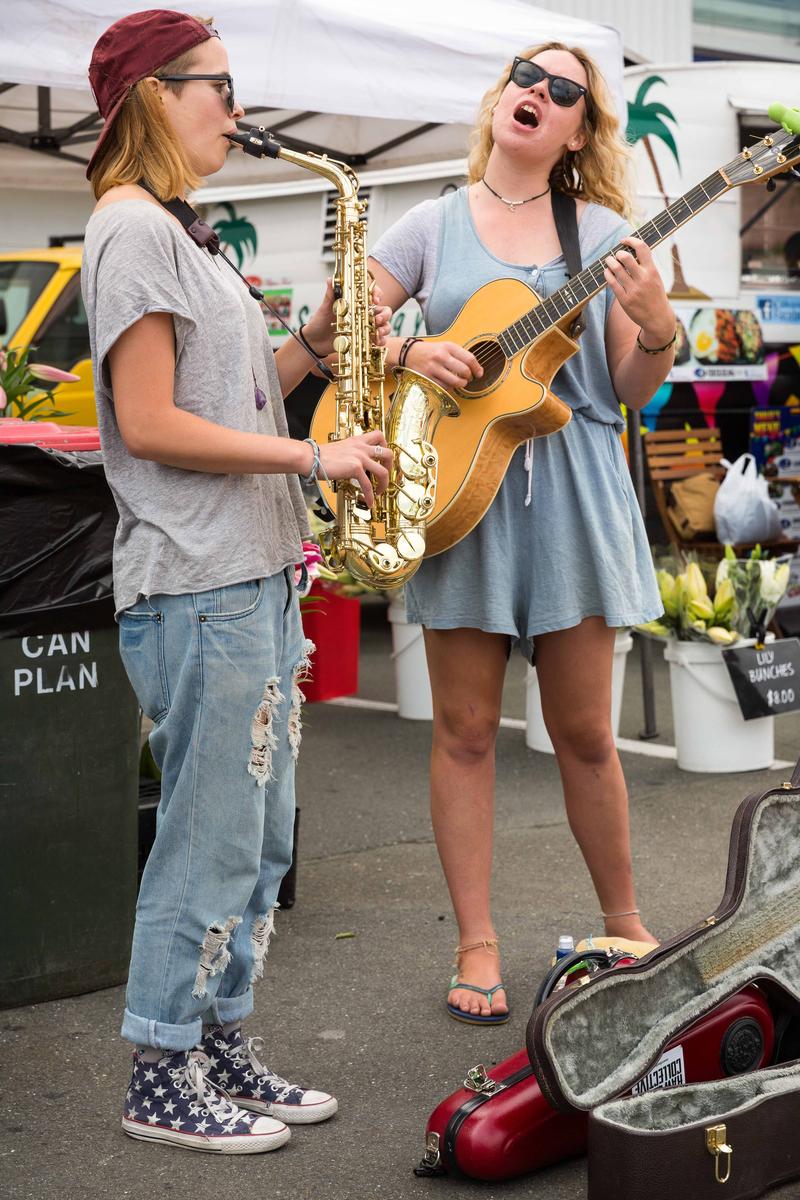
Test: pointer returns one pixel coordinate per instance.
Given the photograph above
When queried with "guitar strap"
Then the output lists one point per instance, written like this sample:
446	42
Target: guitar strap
566	219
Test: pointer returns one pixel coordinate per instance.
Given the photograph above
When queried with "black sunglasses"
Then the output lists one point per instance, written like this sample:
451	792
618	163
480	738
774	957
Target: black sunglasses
565	92
229	100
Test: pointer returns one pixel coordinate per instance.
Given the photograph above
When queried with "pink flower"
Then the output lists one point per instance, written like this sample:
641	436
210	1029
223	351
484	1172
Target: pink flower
312	554
3	398
312	559
51	374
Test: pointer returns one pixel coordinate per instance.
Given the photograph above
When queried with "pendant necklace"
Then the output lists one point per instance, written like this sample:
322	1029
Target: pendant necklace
513	205
260	398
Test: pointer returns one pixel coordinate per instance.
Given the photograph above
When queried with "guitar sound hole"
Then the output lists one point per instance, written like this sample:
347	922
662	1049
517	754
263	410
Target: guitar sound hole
493	361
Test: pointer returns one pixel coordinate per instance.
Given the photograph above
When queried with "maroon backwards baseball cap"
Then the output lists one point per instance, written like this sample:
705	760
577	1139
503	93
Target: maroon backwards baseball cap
133	48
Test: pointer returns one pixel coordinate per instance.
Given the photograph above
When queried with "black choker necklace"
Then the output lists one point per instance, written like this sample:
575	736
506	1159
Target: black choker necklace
514	204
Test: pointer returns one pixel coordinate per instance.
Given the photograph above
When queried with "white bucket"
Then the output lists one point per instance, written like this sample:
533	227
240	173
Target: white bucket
412	685
536	735
710	732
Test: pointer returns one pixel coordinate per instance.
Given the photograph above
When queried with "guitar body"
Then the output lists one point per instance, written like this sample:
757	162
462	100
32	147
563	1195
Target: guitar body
509	404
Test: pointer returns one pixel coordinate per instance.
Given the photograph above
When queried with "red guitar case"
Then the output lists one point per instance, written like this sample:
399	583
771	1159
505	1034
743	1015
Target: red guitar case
499	1125
721	999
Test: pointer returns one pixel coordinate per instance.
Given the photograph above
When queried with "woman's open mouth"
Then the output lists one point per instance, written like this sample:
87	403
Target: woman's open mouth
526	114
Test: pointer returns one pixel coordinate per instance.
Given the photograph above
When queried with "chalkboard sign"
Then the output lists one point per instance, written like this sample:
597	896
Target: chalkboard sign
766	680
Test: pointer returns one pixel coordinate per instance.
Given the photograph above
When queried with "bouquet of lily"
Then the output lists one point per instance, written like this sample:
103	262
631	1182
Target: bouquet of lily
758	584
740	602
690	613
21	393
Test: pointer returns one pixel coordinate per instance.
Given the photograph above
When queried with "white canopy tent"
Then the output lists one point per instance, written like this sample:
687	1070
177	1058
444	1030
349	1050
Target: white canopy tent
380	89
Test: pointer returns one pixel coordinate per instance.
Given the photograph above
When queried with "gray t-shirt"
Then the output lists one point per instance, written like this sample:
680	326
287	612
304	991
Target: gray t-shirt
180	530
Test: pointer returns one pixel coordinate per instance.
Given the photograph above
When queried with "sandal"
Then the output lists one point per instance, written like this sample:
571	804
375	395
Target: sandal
475	1018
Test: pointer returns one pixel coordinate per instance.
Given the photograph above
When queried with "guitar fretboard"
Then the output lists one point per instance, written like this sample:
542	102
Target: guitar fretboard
591	280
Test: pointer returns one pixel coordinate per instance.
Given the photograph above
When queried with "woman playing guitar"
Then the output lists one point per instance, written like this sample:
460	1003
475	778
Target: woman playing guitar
561	558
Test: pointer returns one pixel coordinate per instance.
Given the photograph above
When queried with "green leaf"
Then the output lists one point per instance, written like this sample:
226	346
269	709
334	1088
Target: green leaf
645	85
34	404
642	125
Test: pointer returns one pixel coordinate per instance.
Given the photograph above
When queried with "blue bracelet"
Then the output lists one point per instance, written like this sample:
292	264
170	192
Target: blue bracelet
316	466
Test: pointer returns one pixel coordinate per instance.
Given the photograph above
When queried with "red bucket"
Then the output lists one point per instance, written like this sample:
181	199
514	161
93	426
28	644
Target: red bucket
334	624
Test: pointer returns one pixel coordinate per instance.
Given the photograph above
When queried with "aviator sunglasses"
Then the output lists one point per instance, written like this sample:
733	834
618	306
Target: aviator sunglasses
565	92
220	78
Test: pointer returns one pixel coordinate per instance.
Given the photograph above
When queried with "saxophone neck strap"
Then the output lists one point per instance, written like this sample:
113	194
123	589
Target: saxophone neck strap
566	218
208	239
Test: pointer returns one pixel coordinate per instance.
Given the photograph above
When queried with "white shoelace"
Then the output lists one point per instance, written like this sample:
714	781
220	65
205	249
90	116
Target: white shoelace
254	1047
208	1094
529	469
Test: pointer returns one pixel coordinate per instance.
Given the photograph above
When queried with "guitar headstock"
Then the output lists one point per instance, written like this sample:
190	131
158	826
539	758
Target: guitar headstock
775	153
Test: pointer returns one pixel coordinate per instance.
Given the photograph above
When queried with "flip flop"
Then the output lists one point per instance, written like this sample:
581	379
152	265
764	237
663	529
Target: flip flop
475	1018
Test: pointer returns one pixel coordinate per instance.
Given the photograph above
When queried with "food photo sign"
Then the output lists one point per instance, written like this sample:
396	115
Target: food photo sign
717	344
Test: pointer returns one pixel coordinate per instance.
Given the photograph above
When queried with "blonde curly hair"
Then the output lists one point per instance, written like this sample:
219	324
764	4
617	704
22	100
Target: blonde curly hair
599	171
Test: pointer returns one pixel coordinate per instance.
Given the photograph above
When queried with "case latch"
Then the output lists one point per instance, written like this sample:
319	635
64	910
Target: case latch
478	1081
431	1160
717	1145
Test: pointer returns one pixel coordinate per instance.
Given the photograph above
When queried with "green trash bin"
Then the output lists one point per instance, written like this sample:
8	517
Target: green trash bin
69	737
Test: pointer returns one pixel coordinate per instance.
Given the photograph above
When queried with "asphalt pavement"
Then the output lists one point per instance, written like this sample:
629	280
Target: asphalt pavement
363	1016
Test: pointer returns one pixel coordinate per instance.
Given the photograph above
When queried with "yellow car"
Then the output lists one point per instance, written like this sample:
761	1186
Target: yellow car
41	306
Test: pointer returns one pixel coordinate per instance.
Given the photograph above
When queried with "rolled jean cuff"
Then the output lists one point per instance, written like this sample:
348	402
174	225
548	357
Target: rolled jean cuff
143	1032
224	1009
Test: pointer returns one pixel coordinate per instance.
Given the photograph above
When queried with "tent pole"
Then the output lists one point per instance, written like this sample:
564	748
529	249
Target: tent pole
636	459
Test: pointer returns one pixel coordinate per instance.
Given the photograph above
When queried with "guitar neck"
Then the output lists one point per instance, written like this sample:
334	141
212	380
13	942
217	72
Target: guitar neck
570	298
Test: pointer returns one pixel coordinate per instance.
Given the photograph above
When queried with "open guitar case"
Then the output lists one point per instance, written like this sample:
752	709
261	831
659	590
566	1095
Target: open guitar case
590	1045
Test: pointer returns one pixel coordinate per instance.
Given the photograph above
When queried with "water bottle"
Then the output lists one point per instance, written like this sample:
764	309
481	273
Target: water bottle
566	945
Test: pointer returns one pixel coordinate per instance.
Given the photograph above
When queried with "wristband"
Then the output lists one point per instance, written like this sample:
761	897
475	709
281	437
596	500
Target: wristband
657	349
307	345
404	349
316	465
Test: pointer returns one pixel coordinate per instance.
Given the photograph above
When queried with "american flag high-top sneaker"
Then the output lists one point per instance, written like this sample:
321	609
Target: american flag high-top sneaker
172	1101
235	1067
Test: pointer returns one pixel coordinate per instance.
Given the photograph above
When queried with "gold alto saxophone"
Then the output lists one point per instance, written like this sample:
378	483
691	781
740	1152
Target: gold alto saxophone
382	547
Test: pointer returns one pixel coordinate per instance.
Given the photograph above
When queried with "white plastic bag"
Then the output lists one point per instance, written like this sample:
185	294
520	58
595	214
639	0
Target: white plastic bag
743	511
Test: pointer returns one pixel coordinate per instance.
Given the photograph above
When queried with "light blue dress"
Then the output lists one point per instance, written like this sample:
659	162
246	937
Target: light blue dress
578	547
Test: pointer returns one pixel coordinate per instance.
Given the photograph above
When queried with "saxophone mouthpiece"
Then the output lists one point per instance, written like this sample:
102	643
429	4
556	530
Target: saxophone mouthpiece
257	142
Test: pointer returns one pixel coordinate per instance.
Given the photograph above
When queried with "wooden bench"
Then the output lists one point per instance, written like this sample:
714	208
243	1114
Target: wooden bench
673	454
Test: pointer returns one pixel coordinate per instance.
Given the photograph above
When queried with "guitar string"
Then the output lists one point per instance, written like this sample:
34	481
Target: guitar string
708	190
697	193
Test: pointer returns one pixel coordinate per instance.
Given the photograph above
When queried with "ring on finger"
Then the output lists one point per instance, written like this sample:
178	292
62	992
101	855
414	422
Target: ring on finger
377	453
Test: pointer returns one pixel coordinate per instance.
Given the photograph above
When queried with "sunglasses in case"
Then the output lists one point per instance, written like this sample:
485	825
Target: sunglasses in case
526	74
220	78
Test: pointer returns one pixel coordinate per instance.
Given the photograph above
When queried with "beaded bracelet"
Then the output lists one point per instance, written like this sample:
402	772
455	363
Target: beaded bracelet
316	465
404	349
657	349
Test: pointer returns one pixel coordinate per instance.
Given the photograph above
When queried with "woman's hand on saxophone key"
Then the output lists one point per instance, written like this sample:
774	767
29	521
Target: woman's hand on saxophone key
358	458
320	329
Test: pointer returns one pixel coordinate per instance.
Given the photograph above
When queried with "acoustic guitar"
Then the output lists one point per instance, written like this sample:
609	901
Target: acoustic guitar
522	341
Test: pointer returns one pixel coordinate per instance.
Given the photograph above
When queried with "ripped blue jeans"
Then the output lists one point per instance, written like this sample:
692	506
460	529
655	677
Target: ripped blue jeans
219	674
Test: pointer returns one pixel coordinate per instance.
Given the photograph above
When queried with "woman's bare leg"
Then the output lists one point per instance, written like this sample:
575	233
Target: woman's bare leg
467	668
574	669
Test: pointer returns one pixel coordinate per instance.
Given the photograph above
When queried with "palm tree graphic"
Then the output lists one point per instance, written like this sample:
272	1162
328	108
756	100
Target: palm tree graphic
236	234
645	120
